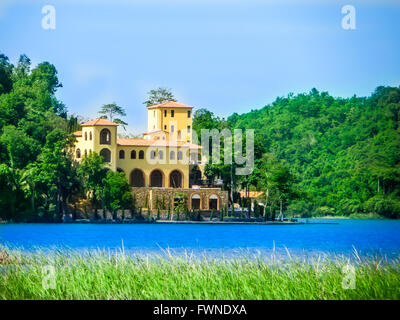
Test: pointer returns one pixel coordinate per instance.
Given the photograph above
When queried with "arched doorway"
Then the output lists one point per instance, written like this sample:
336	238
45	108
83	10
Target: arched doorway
105	136
156	178
106	154
195	176
196	201
175	179
137	178
213	202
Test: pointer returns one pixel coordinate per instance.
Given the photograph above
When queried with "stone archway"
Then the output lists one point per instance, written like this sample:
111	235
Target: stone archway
137	178
175	179
156	178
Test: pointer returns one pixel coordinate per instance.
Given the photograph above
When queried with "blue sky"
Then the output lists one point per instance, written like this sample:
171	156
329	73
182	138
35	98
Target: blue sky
227	56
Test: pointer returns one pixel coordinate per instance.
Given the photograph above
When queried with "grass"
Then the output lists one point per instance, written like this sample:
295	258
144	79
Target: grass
101	275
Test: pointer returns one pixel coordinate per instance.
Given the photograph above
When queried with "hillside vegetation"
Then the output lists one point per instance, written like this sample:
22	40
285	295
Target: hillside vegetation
344	153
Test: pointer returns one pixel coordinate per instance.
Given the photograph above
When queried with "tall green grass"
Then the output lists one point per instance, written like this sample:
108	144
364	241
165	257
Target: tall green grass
101	275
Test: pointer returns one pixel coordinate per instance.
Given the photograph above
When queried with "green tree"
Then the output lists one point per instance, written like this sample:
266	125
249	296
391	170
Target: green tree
115	192
158	96
109	111
92	172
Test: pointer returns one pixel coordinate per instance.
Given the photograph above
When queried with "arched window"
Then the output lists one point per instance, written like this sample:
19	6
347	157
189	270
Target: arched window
78	153
172	155
196	200
156	178
105	136
179	135
213	202
85	135
152	154
141	154
175	179
137	178
90	135
121	154
179	155
90	151
85	152
106	154
133	154
160	154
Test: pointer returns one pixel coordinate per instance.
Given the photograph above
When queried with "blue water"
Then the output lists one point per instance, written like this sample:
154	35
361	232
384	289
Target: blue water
369	237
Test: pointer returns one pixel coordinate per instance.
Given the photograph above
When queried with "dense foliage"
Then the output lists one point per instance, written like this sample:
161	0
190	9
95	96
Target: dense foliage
38	177
344	153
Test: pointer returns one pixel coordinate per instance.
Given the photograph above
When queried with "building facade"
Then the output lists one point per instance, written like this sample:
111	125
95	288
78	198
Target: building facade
161	164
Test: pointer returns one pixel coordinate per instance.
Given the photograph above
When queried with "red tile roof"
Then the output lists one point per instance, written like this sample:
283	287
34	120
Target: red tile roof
155	143
78	133
99	122
170	104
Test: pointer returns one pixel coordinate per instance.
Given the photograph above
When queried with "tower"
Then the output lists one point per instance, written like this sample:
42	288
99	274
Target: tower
169	120
100	135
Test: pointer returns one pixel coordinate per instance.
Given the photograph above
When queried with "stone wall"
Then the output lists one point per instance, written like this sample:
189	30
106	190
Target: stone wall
147	197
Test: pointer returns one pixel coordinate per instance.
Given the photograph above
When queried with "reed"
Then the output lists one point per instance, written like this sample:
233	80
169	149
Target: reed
117	275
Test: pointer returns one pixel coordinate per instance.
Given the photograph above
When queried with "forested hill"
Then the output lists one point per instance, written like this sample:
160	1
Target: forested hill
344	152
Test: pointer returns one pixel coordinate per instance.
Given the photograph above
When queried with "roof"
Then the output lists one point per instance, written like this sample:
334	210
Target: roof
155	143
99	122
78	133
170	104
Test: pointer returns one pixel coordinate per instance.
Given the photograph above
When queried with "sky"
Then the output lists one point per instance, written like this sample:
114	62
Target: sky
226	56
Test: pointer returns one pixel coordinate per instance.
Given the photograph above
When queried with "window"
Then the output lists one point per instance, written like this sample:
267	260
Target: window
172	155
133	154
85	152
189	114
106	154
165	127
160	154
90	135
180	155
85	135
152	154
172	113
90	151
156	178
188	129
165	113
175	179
137	178
141	154
121	154
78	153
179	134
172	129
154	113
105	136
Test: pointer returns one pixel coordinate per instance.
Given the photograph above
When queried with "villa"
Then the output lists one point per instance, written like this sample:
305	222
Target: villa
162	165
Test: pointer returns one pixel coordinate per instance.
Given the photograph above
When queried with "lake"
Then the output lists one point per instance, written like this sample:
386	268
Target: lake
369	237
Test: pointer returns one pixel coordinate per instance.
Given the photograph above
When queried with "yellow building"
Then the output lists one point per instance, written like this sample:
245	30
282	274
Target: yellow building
163	158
